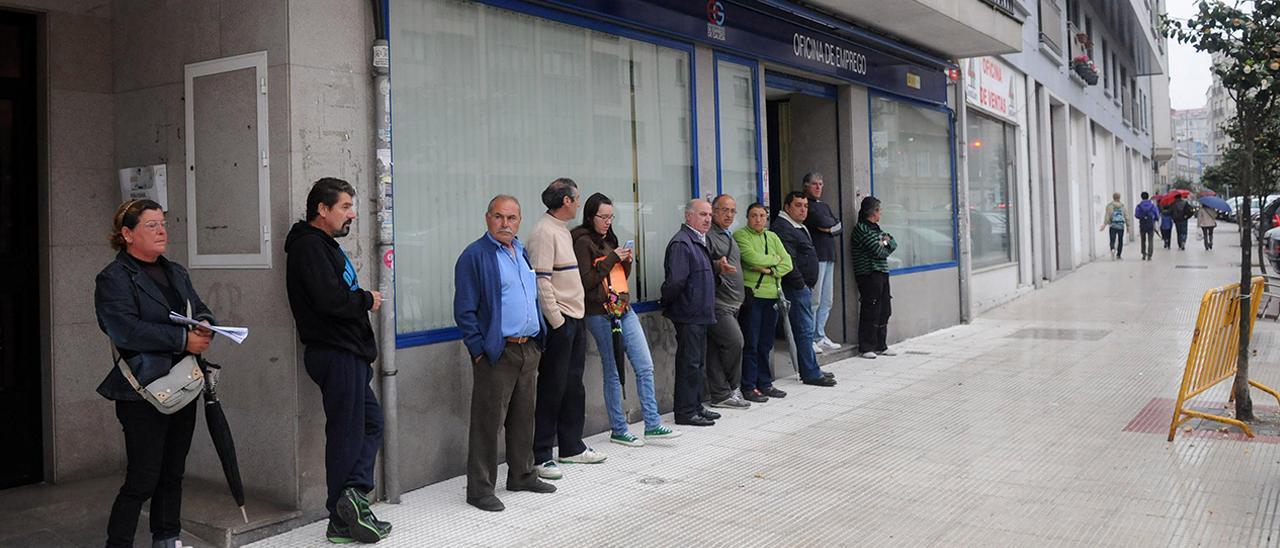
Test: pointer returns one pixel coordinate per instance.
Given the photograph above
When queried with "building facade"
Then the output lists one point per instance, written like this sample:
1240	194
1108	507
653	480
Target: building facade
652	103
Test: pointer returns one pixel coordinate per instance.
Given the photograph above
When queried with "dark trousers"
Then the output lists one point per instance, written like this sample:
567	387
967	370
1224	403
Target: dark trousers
1181	226
724	356
691	352
759	322
1146	238
156	446
1167	235
874	311
1117	240
353	420
562	401
1208	236
502	394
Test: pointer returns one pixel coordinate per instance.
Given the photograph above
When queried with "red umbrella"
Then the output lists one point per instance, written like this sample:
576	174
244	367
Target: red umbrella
1168	198
1206	193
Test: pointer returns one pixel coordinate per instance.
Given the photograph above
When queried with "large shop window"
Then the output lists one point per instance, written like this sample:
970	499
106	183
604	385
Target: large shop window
991	219
489	101
911	174
737	135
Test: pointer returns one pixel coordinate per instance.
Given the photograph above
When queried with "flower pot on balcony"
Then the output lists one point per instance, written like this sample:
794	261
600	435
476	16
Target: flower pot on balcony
1087	73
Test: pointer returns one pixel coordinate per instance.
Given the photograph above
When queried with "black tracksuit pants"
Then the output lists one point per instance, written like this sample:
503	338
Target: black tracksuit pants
874	311
353	420
560	410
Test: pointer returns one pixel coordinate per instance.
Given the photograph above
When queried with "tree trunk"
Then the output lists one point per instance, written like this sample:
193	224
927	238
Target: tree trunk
1244	405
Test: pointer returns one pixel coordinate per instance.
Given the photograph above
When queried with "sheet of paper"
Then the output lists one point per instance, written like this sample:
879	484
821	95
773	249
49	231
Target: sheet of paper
236	334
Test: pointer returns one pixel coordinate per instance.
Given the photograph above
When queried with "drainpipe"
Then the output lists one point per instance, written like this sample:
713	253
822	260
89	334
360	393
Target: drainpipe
962	200
386	258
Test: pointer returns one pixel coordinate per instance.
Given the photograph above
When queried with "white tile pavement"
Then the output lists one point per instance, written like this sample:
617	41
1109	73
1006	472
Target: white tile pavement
969	438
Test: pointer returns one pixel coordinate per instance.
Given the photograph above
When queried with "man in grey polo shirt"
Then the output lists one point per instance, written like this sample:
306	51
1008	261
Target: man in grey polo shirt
724	339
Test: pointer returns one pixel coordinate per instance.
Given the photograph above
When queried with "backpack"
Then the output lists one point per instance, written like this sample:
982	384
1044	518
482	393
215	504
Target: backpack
1117	218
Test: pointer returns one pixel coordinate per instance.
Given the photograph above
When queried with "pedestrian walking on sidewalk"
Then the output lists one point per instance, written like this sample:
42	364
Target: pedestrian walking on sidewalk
1117	219
764	263
724	339
688	300
1180	210
824	226
561	403
1166	227
1207	221
331	311
871	249
797	285
132	298
604	267
1147	215
495	306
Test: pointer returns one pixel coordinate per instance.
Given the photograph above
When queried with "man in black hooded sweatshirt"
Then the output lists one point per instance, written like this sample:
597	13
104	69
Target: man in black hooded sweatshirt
332	315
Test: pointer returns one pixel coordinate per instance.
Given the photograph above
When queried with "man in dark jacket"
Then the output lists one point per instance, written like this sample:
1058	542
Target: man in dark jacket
1180	211
496	307
824	226
798	284
332	315
689	300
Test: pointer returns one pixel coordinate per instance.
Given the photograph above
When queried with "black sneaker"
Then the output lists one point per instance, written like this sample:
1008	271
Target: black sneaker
709	414
353	510
820	381
755	396
338	533
773	392
383	526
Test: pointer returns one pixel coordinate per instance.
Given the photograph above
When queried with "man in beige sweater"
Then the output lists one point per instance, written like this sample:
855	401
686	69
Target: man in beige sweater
561	402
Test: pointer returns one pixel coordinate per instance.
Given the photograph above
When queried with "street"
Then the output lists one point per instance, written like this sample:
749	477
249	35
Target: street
1011	431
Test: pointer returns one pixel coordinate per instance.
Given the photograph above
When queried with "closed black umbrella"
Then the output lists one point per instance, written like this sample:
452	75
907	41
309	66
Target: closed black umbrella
220	433
619	354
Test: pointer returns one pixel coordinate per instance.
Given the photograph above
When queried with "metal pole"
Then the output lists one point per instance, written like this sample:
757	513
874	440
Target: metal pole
386	271
962	200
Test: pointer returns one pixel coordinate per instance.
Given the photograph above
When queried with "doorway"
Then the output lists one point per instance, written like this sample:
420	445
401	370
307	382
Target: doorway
20	348
801	124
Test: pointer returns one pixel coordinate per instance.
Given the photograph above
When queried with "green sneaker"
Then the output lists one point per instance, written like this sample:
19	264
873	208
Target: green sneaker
626	439
353	510
661	432
384	527
338	533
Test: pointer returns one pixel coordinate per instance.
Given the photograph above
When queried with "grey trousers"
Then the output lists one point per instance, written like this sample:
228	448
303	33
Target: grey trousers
502	394
724	356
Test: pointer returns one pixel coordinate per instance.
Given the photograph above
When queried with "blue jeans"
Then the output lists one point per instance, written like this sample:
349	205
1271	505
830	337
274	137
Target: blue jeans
637	350
823	293
802	330
759	319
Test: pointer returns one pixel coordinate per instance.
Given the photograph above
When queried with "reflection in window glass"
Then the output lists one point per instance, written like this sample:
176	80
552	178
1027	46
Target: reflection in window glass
739	163
991	223
911	174
490	101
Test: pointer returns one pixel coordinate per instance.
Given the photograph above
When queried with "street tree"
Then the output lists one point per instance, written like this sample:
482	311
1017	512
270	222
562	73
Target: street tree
1243	36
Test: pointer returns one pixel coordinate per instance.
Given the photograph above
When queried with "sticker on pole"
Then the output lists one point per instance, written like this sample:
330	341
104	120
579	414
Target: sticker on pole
389	258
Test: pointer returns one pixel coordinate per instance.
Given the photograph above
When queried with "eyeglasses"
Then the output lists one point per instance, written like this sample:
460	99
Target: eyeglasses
605	218
155	225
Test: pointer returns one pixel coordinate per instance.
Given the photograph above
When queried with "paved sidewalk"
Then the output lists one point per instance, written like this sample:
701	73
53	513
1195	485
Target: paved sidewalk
1006	432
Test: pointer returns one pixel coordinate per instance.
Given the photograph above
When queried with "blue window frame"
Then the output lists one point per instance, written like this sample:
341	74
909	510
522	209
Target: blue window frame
754	97
443	334
950	158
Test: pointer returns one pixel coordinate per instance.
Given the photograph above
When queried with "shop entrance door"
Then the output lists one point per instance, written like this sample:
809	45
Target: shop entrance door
20	363
801	118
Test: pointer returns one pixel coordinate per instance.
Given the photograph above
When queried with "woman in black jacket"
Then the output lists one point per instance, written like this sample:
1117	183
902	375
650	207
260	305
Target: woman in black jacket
133	297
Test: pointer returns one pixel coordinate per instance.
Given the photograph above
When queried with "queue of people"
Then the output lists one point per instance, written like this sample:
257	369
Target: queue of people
524	311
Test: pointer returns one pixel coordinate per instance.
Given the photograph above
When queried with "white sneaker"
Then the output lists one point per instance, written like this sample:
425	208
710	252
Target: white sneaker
887	352
590	456
868	355
830	344
548	470
817	348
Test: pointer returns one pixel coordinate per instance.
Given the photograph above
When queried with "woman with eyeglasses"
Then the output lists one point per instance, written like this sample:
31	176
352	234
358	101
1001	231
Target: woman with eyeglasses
605	266
133	297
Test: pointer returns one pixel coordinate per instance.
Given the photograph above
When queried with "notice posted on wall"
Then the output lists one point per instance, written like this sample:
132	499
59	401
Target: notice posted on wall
145	183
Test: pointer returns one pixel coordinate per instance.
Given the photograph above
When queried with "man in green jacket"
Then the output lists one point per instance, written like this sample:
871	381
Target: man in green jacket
764	263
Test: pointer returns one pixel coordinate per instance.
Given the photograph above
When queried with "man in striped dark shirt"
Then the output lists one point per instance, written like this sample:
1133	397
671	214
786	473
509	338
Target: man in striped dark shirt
871	250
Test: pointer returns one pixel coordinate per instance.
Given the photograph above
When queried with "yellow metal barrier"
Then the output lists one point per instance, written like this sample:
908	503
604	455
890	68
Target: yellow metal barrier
1214	349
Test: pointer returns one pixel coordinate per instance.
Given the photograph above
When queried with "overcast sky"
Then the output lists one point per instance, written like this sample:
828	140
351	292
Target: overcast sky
1189	75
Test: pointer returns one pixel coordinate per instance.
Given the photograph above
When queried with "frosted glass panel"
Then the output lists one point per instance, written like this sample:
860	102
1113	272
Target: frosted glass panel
488	101
739	162
911	174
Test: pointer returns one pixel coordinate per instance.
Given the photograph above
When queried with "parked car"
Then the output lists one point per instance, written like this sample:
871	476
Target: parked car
1271	248
1268	217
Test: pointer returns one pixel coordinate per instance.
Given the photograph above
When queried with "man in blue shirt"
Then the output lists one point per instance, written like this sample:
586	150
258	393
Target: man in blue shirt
495	305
